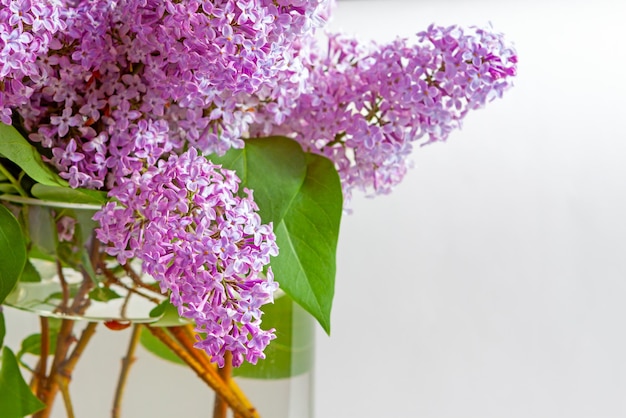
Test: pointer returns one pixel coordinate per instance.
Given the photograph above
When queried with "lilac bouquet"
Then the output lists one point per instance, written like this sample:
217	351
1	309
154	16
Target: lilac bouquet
213	146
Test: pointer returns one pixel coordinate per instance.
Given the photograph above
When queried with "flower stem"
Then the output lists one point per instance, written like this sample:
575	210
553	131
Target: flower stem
208	375
126	364
190	338
112	279
13	181
186	336
42	366
221	407
50	385
65	291
85	337
62	367
64	382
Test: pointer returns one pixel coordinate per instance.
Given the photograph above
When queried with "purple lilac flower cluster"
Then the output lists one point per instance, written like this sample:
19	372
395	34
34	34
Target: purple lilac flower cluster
154	76
367	104
26	32
115	91
203	244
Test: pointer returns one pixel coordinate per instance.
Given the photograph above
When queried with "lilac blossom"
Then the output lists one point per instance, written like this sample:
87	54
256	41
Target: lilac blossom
201	67
203	243
26	33
367	104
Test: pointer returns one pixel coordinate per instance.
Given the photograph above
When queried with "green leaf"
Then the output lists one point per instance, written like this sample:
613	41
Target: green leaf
274	168
307	238
7	188
42	232
301	194
156	347
32	344
68	195
103	294
16	399
3	329
30	273
292	352
12	252
167	314
17	149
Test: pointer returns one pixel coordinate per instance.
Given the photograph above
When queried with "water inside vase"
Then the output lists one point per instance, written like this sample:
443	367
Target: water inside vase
46	298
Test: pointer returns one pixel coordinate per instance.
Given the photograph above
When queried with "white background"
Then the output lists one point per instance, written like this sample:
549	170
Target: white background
492	282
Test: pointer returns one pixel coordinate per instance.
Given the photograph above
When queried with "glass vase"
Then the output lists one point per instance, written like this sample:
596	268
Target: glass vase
279	386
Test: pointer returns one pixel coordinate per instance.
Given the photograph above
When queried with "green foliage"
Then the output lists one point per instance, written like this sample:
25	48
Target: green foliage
14	147
292	352
274	168
16	398
30	273
307	237
42	232
167	314
3	329
32	344
301	194
68	195
103	294
7	188
156	347
12	252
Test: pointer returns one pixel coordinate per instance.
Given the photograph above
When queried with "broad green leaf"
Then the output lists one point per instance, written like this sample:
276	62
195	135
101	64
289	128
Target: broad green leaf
274	168
68	195
301	194
86	225
7	188
42	232
3	329
16	398
167	314
30	273
12	252
307	238
103	294
32	344
292	352
72	290
14	147
156	347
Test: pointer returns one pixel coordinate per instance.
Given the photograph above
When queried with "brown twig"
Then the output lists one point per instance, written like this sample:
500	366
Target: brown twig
42	365
49	387
220	408
209	376
125	305
137	279
187	337
64	387
62	365
65	291
81	344
112	279
126	363
188	341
